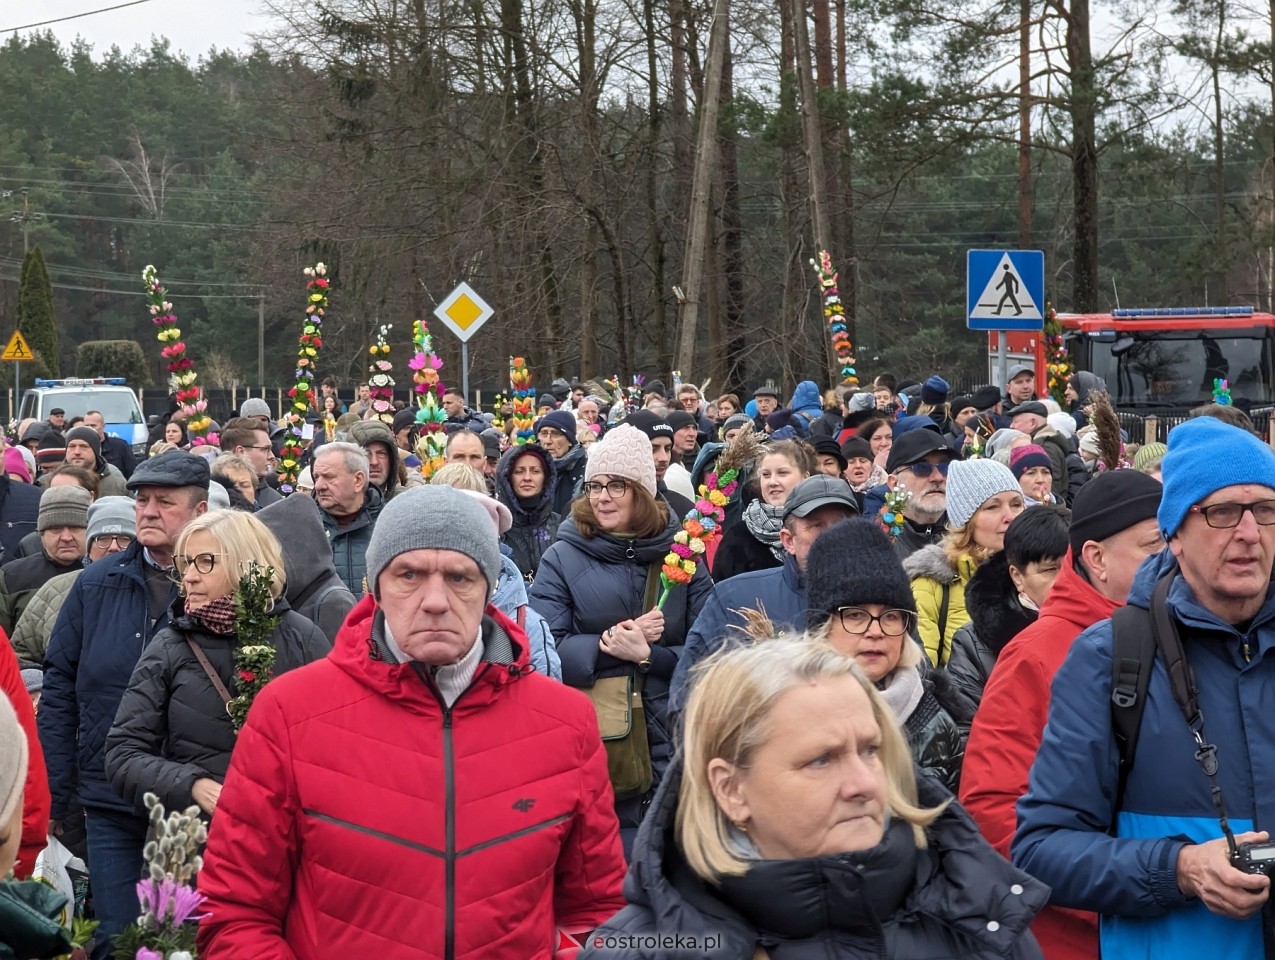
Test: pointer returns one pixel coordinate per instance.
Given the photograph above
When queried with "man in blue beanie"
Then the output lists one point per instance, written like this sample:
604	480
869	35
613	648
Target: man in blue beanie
1149	850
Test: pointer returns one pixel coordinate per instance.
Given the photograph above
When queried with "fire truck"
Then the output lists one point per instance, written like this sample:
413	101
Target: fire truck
1164	361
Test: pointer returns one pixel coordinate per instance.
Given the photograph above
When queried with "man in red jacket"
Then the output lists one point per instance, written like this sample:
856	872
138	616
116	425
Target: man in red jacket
1113	529
35	799
420	793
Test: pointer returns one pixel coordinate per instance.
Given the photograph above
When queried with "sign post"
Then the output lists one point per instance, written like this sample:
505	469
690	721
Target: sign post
1004	290
463	311
18	351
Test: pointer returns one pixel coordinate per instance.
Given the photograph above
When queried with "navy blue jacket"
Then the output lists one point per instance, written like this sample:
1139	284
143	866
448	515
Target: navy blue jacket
588	584
19	507
99	634
780	591
1131	879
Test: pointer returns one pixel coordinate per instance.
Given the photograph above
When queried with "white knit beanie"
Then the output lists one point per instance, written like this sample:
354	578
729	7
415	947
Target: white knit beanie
971	483
13	761
625	451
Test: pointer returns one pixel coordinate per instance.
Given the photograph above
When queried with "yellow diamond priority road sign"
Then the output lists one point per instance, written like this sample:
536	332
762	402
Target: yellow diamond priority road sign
464	311
18	348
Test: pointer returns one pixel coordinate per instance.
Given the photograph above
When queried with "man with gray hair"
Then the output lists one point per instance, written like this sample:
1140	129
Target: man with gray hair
350	506
422	762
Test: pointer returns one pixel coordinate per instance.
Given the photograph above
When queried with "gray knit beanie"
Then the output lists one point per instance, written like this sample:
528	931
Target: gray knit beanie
970	483
64	506
110	515
13	760
438	518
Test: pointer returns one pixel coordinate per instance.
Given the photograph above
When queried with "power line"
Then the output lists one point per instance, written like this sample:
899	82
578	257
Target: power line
74	16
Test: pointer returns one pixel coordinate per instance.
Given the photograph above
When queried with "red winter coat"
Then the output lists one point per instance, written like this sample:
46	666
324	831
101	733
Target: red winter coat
35	798
1007	731
359	819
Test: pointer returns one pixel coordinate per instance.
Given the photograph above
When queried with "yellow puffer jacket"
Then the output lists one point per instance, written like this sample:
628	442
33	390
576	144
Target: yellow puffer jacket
932	575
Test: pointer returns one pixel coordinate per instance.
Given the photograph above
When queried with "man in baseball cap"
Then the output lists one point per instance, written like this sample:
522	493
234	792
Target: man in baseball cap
111	612
1020	385
917	465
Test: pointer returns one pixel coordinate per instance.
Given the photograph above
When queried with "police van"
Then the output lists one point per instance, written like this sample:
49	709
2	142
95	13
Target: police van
118	404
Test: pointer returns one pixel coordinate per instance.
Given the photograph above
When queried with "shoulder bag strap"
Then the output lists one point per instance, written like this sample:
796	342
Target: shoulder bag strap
202	657
945	648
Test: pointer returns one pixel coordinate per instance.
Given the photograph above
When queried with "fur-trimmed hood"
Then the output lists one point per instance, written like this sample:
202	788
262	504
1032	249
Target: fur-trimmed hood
932	563
992	603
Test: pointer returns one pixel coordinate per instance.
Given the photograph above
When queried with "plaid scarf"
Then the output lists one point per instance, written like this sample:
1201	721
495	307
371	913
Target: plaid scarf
216	616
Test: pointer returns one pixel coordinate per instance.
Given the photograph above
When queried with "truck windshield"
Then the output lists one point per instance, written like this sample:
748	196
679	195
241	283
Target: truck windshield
1174	371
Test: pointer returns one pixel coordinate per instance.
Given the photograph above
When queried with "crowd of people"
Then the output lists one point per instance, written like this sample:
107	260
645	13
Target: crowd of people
963	676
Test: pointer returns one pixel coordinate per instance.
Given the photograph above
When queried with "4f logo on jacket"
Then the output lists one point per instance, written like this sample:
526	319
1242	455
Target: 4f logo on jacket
524	804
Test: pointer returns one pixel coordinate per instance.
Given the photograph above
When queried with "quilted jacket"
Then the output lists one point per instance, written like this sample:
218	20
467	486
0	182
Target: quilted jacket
361	818
30	637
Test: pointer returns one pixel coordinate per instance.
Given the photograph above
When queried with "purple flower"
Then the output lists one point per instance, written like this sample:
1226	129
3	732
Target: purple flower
146	953
417	362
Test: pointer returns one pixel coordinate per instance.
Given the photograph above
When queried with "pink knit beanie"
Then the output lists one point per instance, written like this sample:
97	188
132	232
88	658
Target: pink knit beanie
623	452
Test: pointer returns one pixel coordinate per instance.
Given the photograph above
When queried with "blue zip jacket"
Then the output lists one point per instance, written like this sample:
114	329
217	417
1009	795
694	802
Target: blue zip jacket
1131	878
509	598
97	638
779	591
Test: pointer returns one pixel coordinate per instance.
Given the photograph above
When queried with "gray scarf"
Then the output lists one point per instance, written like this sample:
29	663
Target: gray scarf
902	691
764	523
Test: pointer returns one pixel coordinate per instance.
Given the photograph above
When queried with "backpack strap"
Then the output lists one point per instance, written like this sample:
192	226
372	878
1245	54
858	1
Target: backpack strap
945	648
1136	634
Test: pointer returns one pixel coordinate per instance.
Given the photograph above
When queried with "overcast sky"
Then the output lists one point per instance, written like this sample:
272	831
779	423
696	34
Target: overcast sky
193	26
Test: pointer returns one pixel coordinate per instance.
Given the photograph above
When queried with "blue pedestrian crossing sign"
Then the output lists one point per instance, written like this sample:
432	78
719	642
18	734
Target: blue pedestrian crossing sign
1005	289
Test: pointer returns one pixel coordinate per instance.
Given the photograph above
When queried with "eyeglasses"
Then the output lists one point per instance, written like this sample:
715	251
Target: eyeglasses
1222	516
261	446
924	469
894	623
106	540
204	562
615	489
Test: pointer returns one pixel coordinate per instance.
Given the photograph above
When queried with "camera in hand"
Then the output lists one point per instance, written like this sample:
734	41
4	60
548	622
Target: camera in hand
1254	858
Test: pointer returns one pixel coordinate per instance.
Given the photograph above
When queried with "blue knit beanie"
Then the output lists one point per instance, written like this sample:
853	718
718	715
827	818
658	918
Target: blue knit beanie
1204	456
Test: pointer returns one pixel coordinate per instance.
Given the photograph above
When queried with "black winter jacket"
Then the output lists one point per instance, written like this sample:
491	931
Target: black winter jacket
996	617
570	473
586	585
741	552
535	523
172	727
22	578
957	899
314	590
19	509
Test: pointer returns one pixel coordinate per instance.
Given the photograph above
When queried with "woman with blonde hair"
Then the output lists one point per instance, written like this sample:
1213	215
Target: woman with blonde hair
983	498
795	826
752	541
172	734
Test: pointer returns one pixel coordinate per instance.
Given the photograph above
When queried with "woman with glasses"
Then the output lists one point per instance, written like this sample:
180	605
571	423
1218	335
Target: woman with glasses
983	498
866	610
793	826
752	542
597	586
172	734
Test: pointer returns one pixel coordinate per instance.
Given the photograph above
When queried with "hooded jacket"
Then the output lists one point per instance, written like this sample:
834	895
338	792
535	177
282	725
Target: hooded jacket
1059	448
807	402
349	543
932	575
779	592
314	589
954	900
482	828
535	523
1007	730
172	727
510	599
1130	879
100	632
30	924
996	617
588	584
375	431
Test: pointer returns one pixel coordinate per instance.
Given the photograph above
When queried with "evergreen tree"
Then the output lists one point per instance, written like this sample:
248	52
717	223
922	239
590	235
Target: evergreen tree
35	310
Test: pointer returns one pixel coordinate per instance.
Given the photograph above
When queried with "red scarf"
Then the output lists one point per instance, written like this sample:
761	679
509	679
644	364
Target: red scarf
216	616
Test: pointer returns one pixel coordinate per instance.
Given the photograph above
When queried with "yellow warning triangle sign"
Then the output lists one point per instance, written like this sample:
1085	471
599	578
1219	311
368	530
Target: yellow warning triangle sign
18	348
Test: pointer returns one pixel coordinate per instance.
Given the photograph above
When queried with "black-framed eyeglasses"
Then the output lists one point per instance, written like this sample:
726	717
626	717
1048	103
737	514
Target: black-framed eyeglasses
924	468
261	446
203	562
894	623
615	489
1222	516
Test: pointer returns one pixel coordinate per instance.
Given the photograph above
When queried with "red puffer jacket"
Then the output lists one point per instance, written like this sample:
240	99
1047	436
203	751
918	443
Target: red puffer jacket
35	797
1007	731
361	819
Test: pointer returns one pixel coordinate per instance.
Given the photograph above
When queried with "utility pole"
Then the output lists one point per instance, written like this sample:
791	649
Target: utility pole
24	217
812	140
1025	127
697	226
261	340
